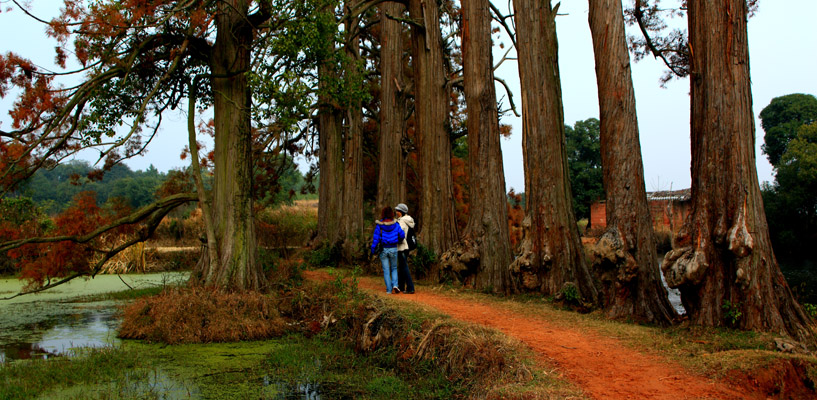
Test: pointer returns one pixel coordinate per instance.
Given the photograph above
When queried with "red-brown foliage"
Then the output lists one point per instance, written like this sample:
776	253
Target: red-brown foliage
41	262
200	315
459	175
515	216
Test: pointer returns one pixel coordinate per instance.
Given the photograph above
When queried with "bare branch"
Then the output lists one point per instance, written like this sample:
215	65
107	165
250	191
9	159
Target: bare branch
510	95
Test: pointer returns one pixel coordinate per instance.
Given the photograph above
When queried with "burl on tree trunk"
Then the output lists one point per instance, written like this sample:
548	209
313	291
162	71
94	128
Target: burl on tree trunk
551	258
625	259
722	261
483	253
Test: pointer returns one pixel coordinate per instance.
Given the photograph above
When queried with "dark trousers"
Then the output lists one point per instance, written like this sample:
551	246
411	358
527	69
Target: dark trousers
404	281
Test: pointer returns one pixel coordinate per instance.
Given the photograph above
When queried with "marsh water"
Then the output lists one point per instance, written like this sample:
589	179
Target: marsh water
55	322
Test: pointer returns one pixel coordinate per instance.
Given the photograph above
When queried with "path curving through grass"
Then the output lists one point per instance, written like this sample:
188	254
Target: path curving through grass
602	366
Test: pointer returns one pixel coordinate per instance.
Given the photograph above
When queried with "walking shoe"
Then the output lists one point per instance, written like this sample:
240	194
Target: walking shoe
395	290
411	292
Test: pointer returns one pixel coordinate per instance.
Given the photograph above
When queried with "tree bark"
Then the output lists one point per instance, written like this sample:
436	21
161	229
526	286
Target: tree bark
438	229
551	255
625	257
236	266
483	253
330	152
722	260
352	210
391	182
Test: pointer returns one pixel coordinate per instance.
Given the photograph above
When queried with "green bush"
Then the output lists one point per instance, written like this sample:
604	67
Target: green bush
324	256
421	261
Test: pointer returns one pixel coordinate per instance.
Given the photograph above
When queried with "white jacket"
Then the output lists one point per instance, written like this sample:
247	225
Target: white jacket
405	222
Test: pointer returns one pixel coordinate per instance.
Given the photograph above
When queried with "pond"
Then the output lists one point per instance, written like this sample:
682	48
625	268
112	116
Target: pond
55	322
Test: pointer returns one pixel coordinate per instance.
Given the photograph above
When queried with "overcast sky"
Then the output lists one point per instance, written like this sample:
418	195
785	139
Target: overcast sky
782	46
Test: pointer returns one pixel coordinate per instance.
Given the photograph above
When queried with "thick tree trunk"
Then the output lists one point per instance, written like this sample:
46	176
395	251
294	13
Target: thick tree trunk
236	266
438	229
330	152
625	256
352	210
722	260
484	250
330	162
391	182
551	252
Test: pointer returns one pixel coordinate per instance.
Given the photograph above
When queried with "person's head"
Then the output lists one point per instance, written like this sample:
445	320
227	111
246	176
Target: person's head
402	209
387	213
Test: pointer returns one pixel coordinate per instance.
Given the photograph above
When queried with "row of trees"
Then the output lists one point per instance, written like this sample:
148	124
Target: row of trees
274	72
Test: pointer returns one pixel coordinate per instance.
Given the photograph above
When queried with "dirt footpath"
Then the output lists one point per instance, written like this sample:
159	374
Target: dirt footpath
603	367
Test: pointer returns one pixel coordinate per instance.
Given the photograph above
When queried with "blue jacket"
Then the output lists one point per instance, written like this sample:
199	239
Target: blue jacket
389	232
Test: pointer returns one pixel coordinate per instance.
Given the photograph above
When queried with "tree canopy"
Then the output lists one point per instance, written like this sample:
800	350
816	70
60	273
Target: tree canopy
584	162
782	119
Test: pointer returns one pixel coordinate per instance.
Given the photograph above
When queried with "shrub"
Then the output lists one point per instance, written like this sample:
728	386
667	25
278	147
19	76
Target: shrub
286	226
325	256
421	261
202	316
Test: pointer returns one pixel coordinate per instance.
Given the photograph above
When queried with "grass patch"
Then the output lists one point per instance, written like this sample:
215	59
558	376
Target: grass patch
123	295
32	378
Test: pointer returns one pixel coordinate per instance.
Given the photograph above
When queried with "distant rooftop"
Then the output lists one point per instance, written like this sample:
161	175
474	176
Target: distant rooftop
677	195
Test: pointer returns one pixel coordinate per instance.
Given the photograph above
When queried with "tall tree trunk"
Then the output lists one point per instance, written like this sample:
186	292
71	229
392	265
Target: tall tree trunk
236	266
484	250
722	260
438	229
551	253
330	152
352	210
391	179
625	256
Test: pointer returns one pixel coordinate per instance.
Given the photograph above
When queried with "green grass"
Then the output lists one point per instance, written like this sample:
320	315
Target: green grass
257	370
130	294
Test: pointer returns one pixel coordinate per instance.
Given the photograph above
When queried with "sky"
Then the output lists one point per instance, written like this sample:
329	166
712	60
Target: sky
783	56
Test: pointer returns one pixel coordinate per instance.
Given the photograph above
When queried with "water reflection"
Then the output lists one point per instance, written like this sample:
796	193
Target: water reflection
57	336
298	391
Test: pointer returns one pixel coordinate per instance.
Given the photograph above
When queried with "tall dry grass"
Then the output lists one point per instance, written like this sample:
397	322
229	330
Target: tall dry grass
200	315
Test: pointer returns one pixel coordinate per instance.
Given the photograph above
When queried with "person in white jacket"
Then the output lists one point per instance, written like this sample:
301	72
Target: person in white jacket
404	281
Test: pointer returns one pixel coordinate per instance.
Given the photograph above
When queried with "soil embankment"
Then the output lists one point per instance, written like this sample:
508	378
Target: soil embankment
603	367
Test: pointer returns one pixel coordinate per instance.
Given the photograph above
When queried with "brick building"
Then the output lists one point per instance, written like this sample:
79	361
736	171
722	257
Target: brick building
667	209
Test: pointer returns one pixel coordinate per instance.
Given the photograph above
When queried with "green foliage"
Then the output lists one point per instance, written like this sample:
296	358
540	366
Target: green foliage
55	188
811	310
731	312
325	256
583	148
791	211
781	120
570	294
346	285
421	261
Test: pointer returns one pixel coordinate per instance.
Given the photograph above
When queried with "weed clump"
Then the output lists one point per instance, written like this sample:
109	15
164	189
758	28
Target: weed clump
199	315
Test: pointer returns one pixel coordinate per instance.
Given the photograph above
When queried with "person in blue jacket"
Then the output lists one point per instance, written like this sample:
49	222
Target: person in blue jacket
388	232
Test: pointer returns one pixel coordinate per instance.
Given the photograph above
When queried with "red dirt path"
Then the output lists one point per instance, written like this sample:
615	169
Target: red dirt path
603	367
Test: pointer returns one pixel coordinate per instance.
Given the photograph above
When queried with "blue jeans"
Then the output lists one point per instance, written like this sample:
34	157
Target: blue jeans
388	258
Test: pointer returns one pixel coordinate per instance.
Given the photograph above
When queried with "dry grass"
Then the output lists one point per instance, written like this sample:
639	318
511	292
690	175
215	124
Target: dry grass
135	258
202	316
